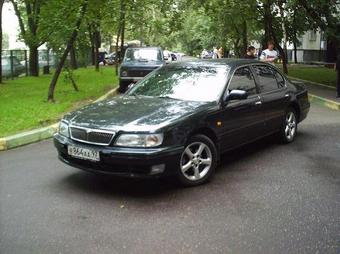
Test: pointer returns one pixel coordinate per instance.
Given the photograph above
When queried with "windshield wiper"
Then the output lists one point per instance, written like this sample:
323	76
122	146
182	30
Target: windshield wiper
168	97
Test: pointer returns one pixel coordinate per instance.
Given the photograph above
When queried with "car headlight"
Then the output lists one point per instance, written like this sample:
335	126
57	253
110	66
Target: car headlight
123	73
139	140
63	129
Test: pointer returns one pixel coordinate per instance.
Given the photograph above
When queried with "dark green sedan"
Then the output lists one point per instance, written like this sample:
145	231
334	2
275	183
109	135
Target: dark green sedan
180	118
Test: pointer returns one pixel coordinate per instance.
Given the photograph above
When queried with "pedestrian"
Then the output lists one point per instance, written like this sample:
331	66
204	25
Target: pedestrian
250	53
269	55
204	54
214	56
337	69
220	52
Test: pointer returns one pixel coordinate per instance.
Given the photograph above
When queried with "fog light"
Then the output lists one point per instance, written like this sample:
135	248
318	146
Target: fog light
157	169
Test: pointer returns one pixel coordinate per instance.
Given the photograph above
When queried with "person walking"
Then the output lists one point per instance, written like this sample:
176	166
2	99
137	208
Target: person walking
250	53
269	55
337	69
215	56
220	52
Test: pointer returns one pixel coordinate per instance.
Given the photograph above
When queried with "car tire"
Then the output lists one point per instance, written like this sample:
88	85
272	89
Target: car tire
123	86
289	126
197	162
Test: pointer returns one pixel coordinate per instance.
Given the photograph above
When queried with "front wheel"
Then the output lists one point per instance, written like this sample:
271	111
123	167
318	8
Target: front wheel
289	126
198	161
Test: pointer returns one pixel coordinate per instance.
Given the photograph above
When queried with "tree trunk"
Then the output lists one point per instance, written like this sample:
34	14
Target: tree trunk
117	45
295	52
61	62
120	28
97	43
284	59
93	61
1	5
267	20
270	34
73	58
122	42
284	30
122	31
244	38
33	61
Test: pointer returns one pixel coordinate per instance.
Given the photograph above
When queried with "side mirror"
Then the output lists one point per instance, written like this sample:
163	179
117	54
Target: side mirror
236	95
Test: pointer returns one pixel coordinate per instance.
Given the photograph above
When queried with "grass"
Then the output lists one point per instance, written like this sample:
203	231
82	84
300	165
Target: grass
320	75
23	101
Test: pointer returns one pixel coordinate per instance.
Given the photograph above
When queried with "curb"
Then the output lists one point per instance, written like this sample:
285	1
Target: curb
324	102
28	137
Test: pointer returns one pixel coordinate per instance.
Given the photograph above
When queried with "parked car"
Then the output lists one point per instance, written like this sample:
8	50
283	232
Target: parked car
137	63
181	118
18	68
110	59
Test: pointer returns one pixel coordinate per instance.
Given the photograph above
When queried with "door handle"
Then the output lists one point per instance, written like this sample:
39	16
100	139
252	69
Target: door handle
258	103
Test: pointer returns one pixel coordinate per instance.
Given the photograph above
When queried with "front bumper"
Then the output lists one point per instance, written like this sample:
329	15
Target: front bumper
128	162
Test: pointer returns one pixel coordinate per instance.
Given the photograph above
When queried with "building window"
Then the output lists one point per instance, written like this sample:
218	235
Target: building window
312	35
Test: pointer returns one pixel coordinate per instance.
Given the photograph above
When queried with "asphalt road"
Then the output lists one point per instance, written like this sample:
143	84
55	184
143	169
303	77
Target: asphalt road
264	198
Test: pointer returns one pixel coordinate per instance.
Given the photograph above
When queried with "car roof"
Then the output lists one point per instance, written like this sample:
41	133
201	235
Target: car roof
144	48
230	62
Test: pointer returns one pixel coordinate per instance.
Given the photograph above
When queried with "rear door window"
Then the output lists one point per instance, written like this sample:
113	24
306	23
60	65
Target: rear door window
269	78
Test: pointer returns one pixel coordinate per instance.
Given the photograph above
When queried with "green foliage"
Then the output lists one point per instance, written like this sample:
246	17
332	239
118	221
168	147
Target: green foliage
60	18
23	105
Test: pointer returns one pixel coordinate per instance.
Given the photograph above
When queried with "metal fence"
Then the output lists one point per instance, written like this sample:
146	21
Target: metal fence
15	63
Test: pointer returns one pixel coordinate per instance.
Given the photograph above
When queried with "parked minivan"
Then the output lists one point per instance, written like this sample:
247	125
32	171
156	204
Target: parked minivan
137	63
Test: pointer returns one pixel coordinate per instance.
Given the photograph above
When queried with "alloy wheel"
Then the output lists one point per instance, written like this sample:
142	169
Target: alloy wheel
196	161
290	128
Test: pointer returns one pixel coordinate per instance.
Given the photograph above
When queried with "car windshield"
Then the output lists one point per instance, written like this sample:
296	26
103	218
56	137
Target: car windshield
190	83
142	55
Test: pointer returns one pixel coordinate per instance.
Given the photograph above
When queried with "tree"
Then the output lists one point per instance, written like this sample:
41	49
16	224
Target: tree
93	19
1	5
28	13
69	44
325	15
297	24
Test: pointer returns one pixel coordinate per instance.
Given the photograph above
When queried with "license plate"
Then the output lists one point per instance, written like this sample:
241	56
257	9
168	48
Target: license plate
83	153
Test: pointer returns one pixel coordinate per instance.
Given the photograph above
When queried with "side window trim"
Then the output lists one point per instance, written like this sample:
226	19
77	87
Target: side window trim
232	75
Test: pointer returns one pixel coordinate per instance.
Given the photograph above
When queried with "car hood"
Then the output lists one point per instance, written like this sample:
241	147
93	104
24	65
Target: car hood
129	113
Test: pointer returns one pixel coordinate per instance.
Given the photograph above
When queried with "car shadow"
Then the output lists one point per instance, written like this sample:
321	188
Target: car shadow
107	185
247	151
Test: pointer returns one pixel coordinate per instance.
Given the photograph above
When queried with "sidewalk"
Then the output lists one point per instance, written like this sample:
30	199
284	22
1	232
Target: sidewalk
321	94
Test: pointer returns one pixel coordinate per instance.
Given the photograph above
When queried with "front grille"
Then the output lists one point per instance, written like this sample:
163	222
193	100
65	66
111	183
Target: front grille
139	73
97	137
79	134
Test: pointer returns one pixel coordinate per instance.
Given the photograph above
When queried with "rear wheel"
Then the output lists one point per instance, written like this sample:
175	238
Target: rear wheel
198	161
289	126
